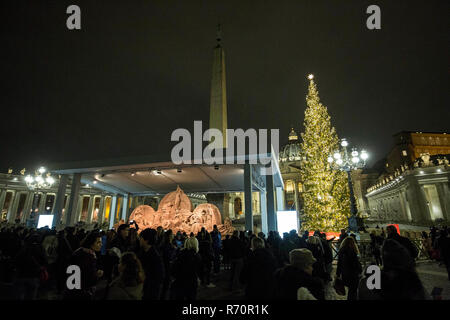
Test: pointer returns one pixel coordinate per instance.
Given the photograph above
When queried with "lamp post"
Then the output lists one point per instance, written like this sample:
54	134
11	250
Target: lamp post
345	161
39	181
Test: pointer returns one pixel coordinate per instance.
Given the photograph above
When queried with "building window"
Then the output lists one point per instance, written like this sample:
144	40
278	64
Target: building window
404	153
289	186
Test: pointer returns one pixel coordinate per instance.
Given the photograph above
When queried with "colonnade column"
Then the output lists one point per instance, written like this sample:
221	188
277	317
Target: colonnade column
248	196
90	209
124	215
280	199
297	207
112	211
271	212
405	205
446	191
15	206
27	207
42	203
443	200
66	207
101	210
73	200
2	198
59	201
79	209
264	212
11	214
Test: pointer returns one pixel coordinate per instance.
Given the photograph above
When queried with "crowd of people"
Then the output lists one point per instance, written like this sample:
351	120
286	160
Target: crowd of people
156	264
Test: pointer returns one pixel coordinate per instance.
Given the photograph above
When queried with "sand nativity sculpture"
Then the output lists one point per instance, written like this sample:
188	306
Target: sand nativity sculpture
175	213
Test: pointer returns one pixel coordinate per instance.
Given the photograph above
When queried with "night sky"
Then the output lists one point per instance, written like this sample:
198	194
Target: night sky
140	69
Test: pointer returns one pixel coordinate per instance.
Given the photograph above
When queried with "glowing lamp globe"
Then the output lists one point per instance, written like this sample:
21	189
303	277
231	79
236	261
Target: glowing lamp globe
364	155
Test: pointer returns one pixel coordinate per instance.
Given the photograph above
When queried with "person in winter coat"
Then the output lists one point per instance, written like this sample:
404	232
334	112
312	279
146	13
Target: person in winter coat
375	247
152	263
226	253
327	255
237	250
392	233
85	258
427	244
186	270
260	264
29	262
168	252
298	274
121	241
129	285
216	238
444	248
207	254
50	246
399	280
342	236
349	268
314	244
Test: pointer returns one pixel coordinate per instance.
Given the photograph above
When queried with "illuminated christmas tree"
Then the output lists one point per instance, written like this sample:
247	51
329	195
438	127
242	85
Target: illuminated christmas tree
326	193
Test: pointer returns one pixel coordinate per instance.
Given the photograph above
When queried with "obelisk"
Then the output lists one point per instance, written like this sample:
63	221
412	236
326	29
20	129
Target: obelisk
218	102
218	114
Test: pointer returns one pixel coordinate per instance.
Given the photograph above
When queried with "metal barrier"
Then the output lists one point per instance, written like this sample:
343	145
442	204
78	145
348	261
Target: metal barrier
366	257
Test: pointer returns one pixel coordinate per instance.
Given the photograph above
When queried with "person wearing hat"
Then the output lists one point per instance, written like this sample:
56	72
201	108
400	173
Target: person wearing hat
298	274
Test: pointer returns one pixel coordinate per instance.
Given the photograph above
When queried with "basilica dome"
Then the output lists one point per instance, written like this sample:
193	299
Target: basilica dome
292	150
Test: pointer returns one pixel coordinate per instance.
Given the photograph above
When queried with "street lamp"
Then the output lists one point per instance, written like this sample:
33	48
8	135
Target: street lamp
345	161
39	181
